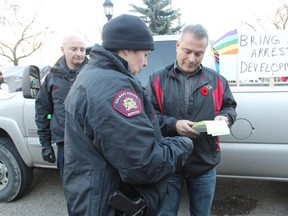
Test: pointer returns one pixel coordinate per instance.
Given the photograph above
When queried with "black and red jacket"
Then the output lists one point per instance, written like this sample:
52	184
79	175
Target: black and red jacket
210	96
50	101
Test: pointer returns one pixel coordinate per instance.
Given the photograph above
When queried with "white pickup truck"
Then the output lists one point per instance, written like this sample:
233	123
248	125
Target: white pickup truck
256	148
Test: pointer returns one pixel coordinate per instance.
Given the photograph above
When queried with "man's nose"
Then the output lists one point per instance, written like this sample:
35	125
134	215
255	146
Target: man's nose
145	63
79	52
192	57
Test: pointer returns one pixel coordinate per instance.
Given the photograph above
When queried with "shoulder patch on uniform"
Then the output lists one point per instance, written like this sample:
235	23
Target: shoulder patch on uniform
128	103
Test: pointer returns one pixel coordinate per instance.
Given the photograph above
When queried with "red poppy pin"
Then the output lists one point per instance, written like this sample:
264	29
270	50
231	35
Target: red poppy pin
204	91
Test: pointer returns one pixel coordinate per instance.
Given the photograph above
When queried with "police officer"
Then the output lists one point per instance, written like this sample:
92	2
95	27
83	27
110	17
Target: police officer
112	137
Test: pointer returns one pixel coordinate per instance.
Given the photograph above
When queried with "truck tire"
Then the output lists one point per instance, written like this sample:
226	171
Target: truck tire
15	175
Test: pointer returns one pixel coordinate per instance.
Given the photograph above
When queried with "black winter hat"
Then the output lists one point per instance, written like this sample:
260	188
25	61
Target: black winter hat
127	32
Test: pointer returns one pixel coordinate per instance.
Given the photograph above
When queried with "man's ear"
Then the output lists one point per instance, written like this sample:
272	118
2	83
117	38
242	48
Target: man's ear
124	54
124	51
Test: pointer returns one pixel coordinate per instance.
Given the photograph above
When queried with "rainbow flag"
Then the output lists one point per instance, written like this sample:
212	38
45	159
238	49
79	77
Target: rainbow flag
227	44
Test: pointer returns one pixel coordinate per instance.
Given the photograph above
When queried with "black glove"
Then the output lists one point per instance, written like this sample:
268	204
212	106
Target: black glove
48	154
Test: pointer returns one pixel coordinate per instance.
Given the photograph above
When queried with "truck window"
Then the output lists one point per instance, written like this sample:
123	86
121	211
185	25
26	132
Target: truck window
164	54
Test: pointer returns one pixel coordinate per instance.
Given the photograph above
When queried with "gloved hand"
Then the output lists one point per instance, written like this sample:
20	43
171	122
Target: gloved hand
48	154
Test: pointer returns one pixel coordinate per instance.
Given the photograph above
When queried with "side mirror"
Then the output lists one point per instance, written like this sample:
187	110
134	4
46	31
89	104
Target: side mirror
31	81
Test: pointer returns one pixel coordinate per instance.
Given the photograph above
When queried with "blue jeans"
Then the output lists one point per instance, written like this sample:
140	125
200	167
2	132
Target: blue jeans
60	165
200	189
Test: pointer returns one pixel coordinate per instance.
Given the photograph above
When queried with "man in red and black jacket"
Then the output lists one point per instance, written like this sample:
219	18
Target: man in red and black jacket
183	93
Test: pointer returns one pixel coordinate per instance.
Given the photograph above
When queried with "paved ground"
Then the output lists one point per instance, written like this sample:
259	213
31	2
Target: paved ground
234	197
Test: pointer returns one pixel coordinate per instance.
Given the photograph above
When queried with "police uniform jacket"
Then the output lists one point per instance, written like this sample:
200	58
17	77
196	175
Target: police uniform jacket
112	134
49	104
210	95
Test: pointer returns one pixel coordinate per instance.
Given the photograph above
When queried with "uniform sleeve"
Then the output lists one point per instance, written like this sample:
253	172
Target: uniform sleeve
129	139
44	107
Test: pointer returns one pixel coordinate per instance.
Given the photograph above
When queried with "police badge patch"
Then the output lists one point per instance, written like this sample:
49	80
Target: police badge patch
127	103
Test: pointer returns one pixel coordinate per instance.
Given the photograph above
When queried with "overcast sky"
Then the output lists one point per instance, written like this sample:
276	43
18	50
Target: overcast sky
87	16
217	16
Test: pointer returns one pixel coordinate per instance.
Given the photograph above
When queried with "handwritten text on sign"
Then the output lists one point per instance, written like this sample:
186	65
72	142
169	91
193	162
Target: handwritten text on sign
263	54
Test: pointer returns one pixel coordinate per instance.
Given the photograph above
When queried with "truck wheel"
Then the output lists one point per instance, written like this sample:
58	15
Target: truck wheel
15	175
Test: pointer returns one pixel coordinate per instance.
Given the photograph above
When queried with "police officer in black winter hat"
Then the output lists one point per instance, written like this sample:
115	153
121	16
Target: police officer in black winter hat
116	161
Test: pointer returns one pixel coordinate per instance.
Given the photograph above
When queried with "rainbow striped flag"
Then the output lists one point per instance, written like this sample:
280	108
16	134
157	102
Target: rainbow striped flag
227	44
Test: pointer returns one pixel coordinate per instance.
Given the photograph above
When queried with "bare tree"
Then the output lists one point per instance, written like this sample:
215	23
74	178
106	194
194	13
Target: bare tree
281	17
22	37
279	20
